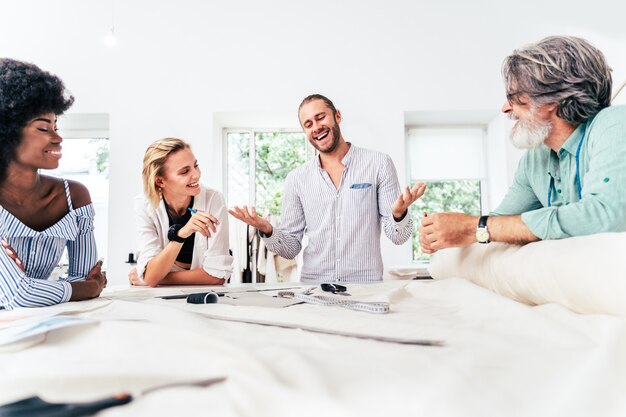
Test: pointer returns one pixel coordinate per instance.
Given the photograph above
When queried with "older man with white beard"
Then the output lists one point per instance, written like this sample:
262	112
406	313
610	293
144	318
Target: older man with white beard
572	179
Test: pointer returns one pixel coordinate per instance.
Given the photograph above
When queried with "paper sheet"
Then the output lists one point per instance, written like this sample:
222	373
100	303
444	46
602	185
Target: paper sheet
26	332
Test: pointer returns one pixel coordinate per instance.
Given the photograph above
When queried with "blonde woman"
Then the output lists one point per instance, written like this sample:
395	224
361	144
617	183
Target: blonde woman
182	225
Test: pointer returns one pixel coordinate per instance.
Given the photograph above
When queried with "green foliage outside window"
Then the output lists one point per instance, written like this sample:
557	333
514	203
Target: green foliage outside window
277	154
101	154
441	196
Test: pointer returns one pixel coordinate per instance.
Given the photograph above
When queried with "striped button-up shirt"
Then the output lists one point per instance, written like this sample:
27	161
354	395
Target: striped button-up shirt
40	253
343	224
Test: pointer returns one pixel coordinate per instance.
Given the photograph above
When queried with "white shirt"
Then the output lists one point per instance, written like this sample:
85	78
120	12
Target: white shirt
210	254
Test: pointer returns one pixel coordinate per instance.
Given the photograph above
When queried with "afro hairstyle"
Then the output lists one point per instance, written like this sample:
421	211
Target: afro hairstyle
26	91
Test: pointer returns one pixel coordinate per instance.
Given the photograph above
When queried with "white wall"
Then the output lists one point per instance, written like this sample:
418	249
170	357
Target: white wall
502	160
178	62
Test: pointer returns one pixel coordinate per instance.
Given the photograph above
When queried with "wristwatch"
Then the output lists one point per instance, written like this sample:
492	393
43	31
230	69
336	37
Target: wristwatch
172	234
482	234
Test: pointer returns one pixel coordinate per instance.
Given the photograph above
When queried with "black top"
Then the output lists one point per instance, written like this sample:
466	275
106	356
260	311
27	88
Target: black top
186	251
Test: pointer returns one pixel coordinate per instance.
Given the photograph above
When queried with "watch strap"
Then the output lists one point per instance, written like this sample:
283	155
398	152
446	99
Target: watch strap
482	222
172	233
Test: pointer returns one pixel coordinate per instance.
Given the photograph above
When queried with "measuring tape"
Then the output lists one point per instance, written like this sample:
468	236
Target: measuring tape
375	308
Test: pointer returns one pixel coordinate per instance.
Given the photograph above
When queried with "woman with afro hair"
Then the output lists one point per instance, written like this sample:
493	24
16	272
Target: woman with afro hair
40	215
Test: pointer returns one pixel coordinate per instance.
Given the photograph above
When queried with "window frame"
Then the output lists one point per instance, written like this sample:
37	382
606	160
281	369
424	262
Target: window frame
69	136
252	132
483	181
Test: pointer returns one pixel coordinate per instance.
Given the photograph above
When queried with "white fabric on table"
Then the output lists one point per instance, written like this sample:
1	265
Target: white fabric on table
501	358
586	274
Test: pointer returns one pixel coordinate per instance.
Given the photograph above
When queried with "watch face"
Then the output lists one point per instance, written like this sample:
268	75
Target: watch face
482	235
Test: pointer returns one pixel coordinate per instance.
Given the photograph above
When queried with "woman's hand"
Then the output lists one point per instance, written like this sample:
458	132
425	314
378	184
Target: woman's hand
96	274
12	254
92	286
133	278
201	222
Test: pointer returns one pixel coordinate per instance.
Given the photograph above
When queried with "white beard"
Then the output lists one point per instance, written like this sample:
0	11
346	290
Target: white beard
529	132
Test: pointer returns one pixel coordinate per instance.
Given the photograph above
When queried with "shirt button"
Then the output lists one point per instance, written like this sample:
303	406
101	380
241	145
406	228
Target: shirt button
558	191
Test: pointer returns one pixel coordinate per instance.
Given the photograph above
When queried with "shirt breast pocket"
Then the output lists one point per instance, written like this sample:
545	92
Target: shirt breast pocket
362	196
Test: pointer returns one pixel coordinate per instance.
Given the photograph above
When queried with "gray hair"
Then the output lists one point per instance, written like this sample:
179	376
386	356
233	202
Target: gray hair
561	70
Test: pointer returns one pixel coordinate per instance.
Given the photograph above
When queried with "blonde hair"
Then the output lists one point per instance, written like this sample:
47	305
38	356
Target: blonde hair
153	162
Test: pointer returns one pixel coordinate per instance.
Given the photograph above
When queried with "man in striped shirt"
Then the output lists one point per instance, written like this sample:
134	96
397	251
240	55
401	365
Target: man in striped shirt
339	199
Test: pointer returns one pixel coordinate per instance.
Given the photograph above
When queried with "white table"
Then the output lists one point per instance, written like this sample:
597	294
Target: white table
500	358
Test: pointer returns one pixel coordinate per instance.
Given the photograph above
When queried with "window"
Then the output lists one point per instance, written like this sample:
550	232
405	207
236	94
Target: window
451	161
87	161
258	163
453	195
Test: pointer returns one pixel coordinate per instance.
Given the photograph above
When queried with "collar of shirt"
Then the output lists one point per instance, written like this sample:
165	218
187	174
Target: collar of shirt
571	144
345	161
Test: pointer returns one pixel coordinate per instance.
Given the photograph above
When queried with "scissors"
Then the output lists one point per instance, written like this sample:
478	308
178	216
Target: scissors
36	407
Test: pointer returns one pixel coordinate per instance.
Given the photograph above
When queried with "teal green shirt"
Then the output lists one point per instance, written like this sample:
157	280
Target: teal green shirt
602	171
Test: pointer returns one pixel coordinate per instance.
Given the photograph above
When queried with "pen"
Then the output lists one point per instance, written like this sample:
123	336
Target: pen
194	211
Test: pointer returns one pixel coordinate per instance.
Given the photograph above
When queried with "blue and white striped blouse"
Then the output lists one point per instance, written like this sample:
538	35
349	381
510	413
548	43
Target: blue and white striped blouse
343	225
40	253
